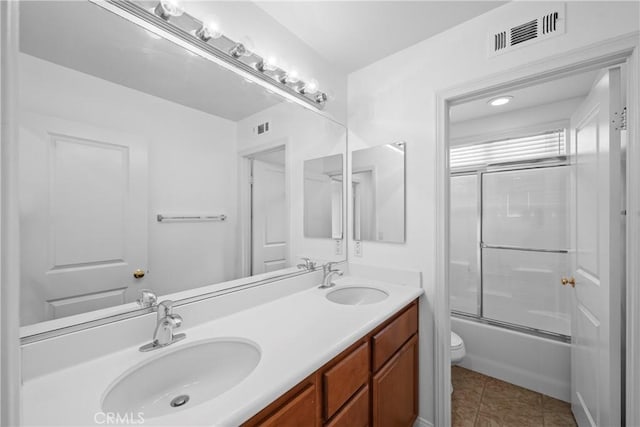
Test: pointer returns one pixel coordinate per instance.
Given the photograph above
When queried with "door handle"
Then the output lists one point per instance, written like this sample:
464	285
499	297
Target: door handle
569	281
138	274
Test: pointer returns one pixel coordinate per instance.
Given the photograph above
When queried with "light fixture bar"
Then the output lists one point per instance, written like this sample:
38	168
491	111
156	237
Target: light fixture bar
182	31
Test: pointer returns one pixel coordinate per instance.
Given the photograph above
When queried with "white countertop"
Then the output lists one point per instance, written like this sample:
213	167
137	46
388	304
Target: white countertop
297	334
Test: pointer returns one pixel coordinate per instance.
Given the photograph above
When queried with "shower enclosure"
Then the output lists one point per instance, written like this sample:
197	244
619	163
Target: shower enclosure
510	235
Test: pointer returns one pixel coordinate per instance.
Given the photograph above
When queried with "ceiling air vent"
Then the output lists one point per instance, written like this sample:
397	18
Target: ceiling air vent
539	26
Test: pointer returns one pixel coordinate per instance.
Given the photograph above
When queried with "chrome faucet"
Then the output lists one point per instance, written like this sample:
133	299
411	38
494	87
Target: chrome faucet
147	298
166	323
307	264
327	274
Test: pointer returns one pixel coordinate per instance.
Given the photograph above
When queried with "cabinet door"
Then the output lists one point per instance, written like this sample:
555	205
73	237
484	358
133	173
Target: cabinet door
395	389
298	407
299	411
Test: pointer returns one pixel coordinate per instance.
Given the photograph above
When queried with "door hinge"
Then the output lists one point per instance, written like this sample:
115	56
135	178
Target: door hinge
620	119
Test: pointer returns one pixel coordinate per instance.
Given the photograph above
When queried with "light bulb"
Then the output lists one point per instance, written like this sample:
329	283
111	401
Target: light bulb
310	87
168	8
238	50
268	64
320	97
244	47
501	100
292	77
209	30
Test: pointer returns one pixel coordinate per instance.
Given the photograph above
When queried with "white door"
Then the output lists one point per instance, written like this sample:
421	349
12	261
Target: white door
83	217
596	320
269	218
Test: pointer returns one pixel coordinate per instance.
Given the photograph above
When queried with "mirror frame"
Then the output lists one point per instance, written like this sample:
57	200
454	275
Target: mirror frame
136	15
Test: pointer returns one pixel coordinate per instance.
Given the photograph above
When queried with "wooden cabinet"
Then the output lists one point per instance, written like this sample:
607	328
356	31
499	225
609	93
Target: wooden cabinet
296	408
395	389
393	335
373	382
341	381
355	413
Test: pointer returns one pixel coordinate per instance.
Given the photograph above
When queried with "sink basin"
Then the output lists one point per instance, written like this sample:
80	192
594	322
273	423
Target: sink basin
183	378
357	295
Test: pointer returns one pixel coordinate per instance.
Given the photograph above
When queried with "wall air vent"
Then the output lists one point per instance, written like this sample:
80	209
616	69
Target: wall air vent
261	128
539	26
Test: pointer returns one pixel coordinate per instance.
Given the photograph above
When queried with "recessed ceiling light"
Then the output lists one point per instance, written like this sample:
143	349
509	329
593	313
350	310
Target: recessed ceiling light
501	100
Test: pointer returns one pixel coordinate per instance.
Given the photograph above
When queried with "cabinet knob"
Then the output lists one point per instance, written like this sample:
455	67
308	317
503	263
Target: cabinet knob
569	281
138	274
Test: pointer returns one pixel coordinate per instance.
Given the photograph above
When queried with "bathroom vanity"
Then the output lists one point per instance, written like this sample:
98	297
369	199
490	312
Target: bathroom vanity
373	382
342	356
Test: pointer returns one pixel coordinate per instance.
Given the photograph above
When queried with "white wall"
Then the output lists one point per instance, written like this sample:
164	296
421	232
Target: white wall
240	19
307	136
394	99
189	153
531	119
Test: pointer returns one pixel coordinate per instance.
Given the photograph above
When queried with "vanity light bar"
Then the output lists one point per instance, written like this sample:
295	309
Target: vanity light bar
186	31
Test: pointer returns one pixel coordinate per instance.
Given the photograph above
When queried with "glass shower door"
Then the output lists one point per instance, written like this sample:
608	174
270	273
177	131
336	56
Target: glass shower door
525	240
464	273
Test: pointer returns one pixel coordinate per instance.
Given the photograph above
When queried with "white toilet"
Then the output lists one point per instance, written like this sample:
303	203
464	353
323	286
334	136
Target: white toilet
457	351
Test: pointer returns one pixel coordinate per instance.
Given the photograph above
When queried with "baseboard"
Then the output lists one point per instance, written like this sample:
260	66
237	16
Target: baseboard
421	422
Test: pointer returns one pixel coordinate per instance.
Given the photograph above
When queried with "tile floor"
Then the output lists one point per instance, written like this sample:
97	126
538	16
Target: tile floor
479	400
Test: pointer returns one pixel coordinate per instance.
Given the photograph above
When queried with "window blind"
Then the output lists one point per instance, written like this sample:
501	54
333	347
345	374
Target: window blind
545	144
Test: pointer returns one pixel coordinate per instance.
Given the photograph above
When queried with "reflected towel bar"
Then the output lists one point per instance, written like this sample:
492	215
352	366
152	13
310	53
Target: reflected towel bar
516	248
162	218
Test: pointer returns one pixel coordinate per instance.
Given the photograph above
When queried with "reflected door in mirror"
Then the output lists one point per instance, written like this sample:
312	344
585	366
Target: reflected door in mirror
378	185
269	217
323	182
83	212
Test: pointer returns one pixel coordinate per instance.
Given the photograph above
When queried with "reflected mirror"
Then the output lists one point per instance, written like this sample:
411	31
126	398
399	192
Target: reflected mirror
378	185
144	165
323	182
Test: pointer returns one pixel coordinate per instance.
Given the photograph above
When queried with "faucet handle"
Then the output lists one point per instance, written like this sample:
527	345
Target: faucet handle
165	309
147	298
307	264
328	267
174	320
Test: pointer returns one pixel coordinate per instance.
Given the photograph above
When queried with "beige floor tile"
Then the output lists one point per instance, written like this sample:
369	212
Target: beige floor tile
497	390
466	379
557	413
494	403
463	415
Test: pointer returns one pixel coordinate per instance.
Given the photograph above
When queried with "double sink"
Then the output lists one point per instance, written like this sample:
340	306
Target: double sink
198	372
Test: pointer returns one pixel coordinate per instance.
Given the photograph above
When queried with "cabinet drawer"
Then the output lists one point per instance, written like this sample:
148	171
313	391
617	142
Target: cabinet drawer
390	339
355	413
342	380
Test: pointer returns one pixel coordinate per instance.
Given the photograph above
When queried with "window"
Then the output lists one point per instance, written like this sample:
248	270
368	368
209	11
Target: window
538	146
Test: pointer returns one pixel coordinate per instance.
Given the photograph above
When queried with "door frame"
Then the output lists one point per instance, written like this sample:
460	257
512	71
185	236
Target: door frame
619	50
245	200
10	375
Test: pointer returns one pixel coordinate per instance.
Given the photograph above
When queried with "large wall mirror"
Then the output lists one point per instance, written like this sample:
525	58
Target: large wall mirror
323	194
378	188
144	165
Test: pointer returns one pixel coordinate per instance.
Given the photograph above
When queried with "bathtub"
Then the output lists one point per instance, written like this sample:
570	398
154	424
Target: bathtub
536	363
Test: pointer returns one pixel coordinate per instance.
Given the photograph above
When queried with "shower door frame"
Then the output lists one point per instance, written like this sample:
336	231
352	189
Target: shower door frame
606	53
479	172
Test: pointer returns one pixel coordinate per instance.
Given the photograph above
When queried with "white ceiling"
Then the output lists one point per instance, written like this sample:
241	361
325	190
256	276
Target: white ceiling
353	34
544	93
